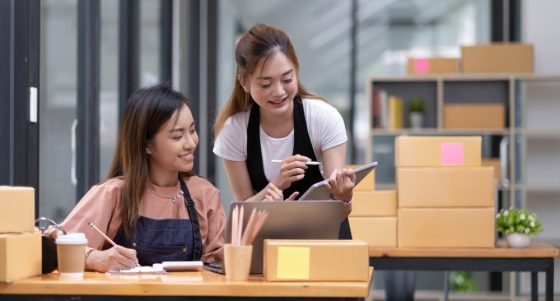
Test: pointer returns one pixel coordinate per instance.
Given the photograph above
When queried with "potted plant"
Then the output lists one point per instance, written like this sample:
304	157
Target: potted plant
517	225
416	110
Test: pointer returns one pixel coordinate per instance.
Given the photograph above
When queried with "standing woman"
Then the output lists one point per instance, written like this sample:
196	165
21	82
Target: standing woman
151	204
270	116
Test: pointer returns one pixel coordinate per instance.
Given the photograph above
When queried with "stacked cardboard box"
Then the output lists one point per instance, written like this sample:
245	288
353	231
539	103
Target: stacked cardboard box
445	196
315	260
374	214
432	65
480	58
498	58
20	245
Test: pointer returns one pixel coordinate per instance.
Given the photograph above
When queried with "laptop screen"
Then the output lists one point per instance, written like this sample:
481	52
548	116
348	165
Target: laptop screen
291	220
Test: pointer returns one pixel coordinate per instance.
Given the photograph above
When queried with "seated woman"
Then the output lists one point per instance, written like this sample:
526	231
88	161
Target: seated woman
151	204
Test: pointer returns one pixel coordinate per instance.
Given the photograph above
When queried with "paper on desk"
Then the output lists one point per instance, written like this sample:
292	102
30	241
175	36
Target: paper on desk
155	269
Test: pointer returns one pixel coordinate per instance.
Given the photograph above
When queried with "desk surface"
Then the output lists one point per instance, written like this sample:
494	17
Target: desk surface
535	250
204	283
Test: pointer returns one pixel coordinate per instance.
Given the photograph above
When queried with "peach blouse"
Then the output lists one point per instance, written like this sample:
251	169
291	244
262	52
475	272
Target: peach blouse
100	206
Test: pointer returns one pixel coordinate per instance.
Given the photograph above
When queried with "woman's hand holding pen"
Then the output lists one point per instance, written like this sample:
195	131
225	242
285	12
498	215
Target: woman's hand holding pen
341	183
292	170
115	258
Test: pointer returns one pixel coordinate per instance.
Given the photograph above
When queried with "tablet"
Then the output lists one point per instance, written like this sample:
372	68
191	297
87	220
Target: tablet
319	190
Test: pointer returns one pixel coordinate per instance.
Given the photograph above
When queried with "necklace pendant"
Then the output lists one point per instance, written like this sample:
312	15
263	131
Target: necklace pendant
177	196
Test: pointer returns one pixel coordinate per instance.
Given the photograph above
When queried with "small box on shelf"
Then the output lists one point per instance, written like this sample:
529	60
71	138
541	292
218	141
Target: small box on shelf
474	116
432	65
498	58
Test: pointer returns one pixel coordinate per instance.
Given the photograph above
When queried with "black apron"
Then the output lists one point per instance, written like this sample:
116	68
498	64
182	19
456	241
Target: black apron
302	146
156	241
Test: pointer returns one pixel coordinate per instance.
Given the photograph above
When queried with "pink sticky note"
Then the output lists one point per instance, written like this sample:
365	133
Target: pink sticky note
452	154
421	65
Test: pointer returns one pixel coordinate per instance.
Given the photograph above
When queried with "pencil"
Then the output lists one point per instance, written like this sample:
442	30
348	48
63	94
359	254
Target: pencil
105	236
306	163
102	234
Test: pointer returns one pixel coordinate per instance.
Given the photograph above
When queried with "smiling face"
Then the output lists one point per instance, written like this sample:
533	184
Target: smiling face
273	85
171	150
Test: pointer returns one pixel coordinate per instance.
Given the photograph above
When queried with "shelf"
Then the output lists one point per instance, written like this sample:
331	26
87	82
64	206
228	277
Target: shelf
539	77
542	133
468	77
447	77
531	155
438	295
438	131
542	188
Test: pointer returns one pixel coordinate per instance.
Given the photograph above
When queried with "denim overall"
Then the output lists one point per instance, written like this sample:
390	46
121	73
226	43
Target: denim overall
156	241
302	146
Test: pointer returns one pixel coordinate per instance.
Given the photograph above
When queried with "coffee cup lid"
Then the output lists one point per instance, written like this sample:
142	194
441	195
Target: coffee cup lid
72	239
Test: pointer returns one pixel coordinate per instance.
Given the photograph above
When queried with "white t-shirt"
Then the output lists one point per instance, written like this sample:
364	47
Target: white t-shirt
324	125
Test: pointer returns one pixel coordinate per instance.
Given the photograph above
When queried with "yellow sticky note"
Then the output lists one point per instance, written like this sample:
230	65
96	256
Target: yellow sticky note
293	263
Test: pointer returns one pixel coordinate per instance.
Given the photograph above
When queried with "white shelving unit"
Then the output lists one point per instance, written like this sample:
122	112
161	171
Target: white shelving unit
438	90
529	150
538	138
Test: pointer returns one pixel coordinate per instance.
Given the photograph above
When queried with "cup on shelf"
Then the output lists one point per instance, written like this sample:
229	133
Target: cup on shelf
71	255
237	261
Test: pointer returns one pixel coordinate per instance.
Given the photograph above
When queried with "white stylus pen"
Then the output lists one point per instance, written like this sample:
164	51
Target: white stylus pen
306	163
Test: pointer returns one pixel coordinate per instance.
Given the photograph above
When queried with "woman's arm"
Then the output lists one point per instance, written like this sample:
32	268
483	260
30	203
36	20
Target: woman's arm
241	187
100	206
212	224
334	159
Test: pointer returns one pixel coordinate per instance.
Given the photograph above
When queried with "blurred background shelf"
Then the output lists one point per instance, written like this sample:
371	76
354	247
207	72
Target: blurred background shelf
439	131
438	296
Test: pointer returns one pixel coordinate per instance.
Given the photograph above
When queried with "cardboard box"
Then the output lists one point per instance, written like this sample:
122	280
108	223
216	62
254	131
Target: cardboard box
446	228
374	203
434	151
316	260
367	183
474	116
17	209
498	58
20	256
432	65
445	187
376	231
496	164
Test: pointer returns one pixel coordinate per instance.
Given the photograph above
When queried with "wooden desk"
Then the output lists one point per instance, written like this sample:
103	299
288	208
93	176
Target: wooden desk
200	285
538	257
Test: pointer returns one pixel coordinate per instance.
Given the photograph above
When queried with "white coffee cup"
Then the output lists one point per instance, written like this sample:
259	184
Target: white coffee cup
71	255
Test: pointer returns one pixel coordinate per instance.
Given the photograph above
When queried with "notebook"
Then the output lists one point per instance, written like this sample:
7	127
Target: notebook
291	220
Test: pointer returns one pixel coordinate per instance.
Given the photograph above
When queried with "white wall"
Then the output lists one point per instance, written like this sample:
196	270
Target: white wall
541	26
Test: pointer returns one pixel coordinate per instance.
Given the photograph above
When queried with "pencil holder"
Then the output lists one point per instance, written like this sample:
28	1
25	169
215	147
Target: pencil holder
237	259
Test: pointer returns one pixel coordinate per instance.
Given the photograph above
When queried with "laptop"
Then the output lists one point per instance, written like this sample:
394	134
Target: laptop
291	220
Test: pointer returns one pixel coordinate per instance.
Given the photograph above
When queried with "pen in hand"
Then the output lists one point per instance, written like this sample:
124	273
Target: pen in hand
105	236
102	234
306	163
